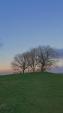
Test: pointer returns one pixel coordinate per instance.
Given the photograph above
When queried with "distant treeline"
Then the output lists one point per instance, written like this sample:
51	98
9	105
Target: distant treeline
37	59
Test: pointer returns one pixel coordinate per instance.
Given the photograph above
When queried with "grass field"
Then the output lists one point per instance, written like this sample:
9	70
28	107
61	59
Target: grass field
31	93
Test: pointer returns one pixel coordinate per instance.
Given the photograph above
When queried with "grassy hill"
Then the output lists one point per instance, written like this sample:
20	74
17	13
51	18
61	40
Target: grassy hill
31	93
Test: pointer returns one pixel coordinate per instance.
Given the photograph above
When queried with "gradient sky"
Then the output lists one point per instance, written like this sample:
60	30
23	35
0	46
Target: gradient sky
28	23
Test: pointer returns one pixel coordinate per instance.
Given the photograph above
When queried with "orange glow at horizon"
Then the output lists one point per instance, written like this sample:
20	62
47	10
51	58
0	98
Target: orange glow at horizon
4	68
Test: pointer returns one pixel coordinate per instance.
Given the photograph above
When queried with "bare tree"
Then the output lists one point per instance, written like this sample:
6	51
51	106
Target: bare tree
45	57
20	62
28	60
33	56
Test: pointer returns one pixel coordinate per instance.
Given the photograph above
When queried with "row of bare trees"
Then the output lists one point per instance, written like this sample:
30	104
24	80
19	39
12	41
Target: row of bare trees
41	57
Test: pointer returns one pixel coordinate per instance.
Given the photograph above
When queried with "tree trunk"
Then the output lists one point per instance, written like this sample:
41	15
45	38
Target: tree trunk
42	68
23	71
33	69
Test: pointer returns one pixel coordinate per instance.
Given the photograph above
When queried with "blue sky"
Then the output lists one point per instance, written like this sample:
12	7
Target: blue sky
28	23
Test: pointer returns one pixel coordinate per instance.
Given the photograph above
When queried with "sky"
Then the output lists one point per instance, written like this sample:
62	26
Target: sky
25	24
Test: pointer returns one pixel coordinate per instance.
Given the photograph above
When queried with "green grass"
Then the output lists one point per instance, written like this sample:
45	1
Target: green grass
31	93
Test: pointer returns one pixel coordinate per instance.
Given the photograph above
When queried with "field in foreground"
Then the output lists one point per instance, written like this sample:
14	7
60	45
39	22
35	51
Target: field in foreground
31	93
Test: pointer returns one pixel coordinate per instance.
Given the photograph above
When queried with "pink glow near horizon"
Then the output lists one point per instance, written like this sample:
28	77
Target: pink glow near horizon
4	69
